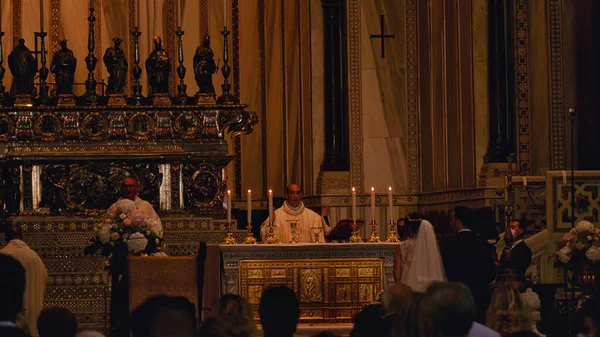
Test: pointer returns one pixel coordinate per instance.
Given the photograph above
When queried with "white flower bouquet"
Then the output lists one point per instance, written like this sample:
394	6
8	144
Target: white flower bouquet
581	242
126	229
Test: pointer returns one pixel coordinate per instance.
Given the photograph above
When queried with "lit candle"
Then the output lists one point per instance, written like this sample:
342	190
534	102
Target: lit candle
354	204
229	205
41	15
224	13
270	206
372	204
249	206
391	204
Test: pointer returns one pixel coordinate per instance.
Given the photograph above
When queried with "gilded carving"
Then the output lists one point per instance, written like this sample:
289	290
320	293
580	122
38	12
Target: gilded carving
203	185
94	125
254	293
557	86
141	125
255	273
522	85
342	272
365	293
354	94
310	285
187	125
366	272
342	293
7	127
278	273
412	92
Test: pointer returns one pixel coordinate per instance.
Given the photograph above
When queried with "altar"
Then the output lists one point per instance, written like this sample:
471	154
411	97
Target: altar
332	281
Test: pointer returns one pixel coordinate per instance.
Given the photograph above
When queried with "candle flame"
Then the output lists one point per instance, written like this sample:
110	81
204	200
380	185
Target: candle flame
249	191
372	189
353	189
228	191
270	191
390	188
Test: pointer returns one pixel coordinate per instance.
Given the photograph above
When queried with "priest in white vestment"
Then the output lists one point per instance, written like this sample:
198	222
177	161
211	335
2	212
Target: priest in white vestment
35	277
130	189
294	221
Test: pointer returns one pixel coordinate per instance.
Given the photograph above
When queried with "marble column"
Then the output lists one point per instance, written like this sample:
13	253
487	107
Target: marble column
501	81
336	114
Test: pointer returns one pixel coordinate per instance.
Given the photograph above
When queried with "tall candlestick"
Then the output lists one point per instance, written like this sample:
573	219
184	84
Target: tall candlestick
354	204
372	204
249	206
41	15
391	204
270	206
224	13
229	204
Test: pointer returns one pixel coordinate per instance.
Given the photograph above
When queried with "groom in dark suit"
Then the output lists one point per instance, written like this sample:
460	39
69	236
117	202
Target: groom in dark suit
467	260
520	254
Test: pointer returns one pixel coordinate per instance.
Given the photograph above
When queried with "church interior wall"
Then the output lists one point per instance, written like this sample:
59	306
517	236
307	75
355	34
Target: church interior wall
480	80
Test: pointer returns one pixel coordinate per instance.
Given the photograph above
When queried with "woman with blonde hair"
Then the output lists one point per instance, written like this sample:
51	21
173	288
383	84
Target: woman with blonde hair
508	313
237	315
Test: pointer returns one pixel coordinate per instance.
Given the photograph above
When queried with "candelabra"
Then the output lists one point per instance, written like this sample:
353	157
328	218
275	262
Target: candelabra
2	71
137	97
392	234
91	97
229	239
43	98
250	239
182	97
227	97
374	237
355	237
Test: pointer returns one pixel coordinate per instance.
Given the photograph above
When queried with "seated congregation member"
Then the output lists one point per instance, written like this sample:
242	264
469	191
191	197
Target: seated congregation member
448	309
57	322
279	312
420	258
35	285
308	225
467	260
213	327
368	322
164	316
508	313
12	289
236	314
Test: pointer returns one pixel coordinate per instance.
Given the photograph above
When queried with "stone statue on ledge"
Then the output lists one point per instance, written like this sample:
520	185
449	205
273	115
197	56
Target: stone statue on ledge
116	65
63	67
23	67
158	67
204	67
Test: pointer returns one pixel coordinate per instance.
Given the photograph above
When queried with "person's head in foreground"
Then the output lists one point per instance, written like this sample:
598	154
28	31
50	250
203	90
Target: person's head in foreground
279	312
57	322
164	316
508	313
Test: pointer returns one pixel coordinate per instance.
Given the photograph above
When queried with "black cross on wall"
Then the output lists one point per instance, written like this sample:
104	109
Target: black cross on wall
382	36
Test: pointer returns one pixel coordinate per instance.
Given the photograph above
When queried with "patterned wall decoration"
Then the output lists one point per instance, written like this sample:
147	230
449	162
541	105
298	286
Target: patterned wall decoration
354	94
522	72
558	199
557	87
412	84
16	20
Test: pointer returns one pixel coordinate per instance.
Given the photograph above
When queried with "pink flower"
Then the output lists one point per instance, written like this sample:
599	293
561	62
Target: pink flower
114	236
579	246
568	237
137	218
127	222
597	230
112	210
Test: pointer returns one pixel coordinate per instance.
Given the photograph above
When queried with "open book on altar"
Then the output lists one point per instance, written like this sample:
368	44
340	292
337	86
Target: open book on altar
342	231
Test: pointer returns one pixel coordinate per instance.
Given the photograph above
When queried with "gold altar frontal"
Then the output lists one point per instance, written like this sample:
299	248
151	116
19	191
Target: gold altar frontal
332	281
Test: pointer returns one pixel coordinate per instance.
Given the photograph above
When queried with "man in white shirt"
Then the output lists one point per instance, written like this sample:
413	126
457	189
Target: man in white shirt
129	189
36	276
295	223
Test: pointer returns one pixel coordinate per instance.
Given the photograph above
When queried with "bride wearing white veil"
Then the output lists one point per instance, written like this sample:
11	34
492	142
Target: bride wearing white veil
421	259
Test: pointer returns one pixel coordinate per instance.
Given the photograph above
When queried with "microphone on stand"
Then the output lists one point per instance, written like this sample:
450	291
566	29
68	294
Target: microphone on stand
572	113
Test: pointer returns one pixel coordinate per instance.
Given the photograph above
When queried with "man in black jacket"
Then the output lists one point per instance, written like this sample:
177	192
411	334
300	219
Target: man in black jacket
466	259
520	254
12	288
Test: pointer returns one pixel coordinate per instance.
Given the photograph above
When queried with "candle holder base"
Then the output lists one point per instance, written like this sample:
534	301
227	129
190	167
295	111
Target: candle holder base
271	239
374	237
66	100
355	237
229	239
161	99
392	234
117	100
23	100
250	239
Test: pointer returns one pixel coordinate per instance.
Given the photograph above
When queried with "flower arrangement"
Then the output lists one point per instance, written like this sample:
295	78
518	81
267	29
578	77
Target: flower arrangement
581	242
126	229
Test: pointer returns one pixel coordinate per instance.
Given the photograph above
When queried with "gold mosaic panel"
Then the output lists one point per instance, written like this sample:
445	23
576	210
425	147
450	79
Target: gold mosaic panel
329	290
